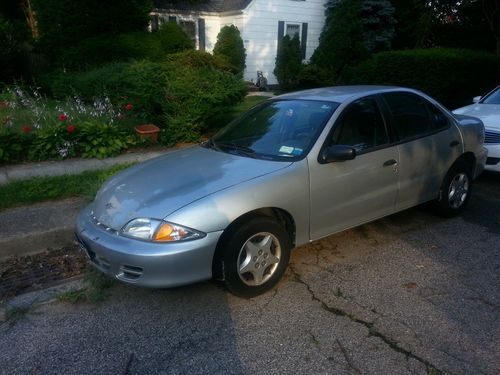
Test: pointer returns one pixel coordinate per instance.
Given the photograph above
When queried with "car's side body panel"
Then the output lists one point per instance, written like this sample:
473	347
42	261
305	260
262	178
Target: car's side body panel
286	189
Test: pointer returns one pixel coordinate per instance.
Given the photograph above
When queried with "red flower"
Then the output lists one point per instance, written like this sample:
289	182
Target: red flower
26	129
70	128
62	117
129	107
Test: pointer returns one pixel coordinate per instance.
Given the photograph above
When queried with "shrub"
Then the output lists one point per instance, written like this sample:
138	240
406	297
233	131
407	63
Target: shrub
312	76
179	93
452	76
90	139
13	146
288	62
138	45
229	46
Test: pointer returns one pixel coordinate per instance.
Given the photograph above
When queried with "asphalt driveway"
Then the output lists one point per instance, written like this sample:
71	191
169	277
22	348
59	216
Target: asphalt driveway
411	293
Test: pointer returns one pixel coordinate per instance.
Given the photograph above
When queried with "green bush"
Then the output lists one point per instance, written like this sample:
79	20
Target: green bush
229	46
89	139
288	62
13	146
138	45
10	50
452	76
178	94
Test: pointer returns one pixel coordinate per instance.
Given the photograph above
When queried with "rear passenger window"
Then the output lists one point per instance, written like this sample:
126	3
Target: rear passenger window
409	113
438	118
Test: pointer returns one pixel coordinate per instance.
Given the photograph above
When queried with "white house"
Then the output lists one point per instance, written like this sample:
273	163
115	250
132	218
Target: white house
261	23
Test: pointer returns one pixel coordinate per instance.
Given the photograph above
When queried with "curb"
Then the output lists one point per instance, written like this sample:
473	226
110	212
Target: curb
36	298
18	172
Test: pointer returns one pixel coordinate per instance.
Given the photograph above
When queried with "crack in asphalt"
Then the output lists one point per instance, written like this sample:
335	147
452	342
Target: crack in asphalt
431	369
347	358
129	364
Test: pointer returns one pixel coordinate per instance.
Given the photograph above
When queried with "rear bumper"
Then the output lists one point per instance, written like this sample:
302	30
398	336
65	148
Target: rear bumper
145	263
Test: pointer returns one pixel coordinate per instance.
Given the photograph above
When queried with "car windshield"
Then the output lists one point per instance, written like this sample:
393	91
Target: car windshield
492	98
275	130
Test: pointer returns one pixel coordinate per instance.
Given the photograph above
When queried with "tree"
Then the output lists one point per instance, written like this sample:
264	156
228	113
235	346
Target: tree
62	23
229	46
288	62
491	9
341	40
377	18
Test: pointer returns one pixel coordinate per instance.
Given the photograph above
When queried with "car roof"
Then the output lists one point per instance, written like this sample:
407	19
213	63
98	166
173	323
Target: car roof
341	94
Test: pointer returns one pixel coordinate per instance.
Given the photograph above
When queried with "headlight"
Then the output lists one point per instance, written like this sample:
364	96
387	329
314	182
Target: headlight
158	231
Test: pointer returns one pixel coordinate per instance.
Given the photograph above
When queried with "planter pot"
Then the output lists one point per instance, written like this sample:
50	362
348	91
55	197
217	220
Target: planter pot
148	131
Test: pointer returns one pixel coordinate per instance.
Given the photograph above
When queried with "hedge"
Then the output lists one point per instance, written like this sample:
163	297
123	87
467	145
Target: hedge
93	52
452	76
178	94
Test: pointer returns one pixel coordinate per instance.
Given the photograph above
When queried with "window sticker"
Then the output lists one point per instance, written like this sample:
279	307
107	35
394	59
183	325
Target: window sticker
286	149
297	151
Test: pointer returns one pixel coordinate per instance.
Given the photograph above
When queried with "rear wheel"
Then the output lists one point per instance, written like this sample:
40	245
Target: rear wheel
255	257
455	190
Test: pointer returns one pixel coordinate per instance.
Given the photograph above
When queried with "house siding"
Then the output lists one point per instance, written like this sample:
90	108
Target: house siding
258	25
260	31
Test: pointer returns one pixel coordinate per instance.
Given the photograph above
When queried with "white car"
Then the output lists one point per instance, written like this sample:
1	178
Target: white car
487	108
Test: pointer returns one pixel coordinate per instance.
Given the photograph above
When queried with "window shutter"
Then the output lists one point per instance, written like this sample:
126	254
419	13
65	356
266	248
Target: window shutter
154	23
281	32
201	33
172	19
304	40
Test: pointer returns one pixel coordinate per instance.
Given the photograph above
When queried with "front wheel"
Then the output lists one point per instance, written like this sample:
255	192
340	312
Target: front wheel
455	190
255	257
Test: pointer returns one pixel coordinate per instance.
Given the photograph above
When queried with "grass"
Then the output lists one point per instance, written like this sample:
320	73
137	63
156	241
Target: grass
41	189
97	288
215	123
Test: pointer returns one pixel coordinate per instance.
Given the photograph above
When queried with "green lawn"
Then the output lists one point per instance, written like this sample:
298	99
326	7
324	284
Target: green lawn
41	189
215	123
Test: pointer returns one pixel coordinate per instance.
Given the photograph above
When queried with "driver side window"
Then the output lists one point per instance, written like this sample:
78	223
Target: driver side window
360	126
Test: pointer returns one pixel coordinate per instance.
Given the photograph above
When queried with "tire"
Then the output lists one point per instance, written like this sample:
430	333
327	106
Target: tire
455	191
255	257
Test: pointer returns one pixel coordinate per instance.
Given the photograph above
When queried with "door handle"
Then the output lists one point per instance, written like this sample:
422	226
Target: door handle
388	163
454	143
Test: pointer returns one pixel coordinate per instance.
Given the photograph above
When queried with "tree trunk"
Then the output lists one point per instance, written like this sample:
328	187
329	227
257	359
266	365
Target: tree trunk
30	17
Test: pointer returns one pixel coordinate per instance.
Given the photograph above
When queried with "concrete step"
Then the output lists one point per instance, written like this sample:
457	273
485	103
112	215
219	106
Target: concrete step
32	229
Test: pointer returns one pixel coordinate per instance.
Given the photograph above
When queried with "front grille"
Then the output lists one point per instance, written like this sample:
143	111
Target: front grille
101	225
491	136
492	161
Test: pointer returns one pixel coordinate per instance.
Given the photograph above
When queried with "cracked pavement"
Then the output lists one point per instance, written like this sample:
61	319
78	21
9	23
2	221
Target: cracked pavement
408	294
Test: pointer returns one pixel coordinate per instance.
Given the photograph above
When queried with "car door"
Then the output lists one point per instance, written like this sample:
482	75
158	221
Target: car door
351	192
427	144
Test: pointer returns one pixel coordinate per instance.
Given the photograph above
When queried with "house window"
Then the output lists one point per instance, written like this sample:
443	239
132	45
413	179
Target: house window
189	28
291	29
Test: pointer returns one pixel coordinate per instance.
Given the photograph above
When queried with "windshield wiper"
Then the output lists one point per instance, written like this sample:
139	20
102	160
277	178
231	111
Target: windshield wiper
242	150
211	144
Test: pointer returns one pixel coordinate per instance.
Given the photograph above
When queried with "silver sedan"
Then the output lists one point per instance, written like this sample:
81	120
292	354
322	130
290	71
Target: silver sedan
292	170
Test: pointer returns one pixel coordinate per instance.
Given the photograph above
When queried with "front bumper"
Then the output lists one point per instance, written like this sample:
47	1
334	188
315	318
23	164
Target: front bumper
481	158
493	161
144	263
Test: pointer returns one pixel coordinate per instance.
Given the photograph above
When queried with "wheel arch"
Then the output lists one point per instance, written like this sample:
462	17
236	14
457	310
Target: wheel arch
281	216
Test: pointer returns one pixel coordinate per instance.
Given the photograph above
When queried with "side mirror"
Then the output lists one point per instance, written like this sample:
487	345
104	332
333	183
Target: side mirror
337	153
476	99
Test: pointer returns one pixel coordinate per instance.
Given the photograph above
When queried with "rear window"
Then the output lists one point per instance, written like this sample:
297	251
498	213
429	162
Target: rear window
409	113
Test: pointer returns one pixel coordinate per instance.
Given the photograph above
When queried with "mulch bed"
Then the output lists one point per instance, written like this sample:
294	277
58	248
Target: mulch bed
33	272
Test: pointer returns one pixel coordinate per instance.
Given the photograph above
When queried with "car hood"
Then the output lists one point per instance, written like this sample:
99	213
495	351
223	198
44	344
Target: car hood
488	113
160	186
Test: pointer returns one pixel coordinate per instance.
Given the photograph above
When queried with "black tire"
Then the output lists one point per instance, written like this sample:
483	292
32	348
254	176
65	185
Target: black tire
234	254
451	202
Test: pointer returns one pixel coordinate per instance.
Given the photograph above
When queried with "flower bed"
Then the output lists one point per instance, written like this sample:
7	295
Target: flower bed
33	127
